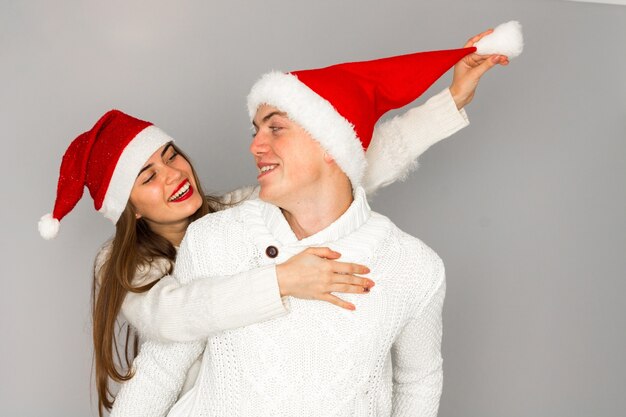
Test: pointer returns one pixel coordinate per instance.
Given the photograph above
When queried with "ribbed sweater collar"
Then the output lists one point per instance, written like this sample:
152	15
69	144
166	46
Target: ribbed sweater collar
264	218
354	217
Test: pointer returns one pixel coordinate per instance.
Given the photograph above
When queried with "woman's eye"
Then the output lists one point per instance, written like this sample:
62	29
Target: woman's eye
150	178
173	156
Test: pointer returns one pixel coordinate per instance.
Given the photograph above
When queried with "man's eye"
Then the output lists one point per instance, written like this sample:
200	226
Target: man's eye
150	178
275	129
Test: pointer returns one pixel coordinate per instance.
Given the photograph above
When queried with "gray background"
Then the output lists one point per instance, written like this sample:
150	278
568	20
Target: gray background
526	206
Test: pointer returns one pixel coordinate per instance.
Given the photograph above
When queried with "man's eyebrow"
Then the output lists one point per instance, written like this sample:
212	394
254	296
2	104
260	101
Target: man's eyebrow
269	116
274	113
169	145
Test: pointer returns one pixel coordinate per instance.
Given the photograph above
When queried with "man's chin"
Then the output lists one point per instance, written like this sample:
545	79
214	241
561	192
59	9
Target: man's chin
266	194
274	196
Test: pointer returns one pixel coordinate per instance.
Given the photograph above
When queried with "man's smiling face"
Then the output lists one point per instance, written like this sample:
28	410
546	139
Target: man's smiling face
289	160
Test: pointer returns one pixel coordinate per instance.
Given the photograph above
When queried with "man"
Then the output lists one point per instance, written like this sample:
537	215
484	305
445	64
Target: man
384	358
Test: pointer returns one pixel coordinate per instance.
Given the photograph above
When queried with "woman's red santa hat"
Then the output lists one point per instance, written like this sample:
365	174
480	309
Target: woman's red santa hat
106	160
340	105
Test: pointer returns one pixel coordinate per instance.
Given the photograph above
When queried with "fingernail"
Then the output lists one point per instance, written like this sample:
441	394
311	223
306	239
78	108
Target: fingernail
352	307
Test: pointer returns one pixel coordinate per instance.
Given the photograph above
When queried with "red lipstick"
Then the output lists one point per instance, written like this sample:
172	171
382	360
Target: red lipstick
185	195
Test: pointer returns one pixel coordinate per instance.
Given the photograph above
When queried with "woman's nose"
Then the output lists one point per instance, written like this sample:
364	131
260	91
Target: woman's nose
173	174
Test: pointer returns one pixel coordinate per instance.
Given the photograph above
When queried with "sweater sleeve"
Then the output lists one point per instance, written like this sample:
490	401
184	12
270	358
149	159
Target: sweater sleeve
397	143
161	368
170	311
160	372
417	362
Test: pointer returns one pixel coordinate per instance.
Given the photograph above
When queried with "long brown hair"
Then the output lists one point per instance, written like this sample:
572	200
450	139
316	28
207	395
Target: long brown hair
134	245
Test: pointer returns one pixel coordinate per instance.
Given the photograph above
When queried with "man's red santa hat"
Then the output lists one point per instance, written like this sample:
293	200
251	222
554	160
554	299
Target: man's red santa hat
339	105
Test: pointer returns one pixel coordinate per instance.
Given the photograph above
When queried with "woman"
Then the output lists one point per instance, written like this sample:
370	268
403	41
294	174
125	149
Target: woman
129	268
111	161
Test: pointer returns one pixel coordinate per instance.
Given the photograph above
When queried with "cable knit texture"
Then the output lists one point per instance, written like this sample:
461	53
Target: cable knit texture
383	359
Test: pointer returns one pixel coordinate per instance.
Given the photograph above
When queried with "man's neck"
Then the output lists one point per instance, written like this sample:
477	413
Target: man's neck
314	212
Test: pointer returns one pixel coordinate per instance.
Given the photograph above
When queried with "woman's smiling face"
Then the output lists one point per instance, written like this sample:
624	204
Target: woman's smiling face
165	192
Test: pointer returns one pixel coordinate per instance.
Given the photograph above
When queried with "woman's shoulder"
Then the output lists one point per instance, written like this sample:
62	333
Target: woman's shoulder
146	273
156	269
239	195
102	256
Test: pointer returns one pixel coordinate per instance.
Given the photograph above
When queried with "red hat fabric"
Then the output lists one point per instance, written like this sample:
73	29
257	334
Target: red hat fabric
340	105
106	159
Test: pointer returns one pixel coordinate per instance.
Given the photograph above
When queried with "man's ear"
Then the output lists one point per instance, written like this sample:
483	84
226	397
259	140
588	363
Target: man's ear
328	158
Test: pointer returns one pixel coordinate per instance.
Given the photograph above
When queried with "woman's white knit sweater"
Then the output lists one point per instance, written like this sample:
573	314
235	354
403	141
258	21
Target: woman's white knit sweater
382	359
172	312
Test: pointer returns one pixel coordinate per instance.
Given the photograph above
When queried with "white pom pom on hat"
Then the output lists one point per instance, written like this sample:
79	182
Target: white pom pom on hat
506	39
48	226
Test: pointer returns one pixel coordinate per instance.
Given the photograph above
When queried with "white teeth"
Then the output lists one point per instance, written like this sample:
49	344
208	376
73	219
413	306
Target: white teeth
268	168
180	192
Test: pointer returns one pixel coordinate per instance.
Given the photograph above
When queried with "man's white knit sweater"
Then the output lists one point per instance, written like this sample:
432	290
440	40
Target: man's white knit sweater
382	359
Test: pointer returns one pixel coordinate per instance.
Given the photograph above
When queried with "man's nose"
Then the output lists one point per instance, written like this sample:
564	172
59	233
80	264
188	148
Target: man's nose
259	144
